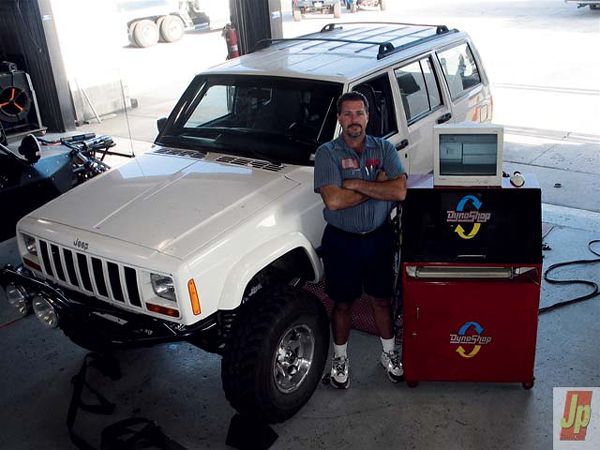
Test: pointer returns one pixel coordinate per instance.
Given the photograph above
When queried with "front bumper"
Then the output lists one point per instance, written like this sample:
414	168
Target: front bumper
86	319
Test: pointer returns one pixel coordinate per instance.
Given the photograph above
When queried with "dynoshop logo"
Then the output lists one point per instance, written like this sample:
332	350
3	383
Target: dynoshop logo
475	217
576	418
477	340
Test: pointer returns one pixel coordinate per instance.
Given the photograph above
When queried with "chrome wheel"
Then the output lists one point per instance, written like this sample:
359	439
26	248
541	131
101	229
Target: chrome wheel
293	358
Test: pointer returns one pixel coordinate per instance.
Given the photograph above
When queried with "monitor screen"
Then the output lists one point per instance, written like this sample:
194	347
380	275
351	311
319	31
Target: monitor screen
467	154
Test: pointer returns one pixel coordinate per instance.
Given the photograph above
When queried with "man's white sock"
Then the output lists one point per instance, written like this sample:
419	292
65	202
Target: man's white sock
388	344
340	350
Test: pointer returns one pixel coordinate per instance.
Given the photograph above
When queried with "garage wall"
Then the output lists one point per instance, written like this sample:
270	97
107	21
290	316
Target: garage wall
27	37
91	34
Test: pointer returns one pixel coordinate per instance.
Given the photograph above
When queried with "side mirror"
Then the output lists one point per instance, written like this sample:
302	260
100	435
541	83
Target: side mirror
160	124
30	149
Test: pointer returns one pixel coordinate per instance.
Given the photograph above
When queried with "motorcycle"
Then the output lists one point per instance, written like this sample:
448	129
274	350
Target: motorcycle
28	181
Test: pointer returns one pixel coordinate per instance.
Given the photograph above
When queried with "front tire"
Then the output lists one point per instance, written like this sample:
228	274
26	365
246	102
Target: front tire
145	33
276	354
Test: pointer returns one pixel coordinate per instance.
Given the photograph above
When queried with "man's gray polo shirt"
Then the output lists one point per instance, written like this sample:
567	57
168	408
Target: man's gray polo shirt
336	162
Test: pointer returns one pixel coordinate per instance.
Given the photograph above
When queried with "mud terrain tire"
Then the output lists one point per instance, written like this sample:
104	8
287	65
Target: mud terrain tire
281	331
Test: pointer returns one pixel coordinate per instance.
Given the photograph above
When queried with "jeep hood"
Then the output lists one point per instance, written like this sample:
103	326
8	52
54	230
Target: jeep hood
159	200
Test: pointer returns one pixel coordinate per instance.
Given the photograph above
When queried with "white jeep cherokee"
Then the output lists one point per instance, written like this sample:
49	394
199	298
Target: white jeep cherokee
210	235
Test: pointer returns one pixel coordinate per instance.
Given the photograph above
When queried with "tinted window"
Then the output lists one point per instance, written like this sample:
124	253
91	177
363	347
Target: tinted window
275	119
419	89
382	119
460	70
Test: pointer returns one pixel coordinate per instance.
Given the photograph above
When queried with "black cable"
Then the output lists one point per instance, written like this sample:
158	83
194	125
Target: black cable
595	290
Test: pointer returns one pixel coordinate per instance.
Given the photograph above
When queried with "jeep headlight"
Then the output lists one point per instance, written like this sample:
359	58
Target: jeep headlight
163	286
30	258
30	244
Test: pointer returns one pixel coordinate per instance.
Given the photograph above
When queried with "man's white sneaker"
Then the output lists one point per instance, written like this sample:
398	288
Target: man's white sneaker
340	376
391	362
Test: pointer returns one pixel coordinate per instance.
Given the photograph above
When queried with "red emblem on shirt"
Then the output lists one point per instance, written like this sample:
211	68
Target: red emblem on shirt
373	163
349	163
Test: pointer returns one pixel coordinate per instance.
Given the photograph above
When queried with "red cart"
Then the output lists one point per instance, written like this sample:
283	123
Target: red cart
471	276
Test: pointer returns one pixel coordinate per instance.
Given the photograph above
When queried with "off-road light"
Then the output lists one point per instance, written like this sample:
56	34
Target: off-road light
30	244
44	311
163	286
17	297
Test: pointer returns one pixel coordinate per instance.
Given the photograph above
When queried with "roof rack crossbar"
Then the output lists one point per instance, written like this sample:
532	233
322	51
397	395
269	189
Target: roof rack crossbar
391	41
387	51
306	39
367	46
386	48
332	26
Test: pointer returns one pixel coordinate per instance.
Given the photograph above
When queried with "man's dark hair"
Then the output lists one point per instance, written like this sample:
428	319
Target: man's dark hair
351	96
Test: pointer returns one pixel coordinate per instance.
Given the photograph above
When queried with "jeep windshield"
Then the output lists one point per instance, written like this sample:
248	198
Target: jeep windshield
275	119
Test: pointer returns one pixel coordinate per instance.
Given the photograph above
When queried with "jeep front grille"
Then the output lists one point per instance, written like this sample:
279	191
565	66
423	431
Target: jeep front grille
108	280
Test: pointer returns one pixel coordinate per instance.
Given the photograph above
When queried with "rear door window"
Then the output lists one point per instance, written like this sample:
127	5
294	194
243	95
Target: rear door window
382	117
419	89
460	69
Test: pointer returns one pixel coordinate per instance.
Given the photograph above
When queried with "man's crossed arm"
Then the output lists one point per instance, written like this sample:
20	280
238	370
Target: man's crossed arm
356	191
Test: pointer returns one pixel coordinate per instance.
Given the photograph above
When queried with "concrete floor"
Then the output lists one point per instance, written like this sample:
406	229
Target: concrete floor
179	386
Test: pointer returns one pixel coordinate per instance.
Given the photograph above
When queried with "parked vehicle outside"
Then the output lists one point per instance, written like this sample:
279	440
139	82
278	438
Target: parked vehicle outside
302	7
593	4
151	21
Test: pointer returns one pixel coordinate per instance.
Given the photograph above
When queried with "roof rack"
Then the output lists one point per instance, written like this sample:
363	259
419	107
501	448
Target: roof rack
386	48
332	26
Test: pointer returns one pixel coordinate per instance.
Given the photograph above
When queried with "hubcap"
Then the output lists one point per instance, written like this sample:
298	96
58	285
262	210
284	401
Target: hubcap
293	358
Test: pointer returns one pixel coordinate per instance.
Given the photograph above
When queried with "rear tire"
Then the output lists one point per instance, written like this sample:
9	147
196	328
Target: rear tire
171	28
145	33
130	29
276	354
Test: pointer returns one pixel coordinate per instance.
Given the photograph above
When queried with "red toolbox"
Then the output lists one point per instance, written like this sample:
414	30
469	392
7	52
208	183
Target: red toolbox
471	276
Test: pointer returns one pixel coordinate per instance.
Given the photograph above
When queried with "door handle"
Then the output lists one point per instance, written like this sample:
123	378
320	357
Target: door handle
444	118
403	144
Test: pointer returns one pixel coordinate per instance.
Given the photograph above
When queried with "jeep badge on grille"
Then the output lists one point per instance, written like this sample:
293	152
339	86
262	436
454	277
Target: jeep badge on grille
80	244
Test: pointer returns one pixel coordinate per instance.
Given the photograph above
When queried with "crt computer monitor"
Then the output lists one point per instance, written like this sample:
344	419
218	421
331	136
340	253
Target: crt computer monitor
467	154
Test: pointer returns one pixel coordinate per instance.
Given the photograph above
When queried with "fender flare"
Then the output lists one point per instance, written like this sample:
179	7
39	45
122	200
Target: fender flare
259	258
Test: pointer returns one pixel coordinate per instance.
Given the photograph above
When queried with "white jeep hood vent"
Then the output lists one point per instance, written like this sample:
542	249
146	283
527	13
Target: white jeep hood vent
180	152
256	163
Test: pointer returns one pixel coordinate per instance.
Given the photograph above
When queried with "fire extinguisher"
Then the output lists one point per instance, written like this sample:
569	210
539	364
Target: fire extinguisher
231	38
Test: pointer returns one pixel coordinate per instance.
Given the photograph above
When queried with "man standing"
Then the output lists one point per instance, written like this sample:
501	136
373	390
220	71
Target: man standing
360	178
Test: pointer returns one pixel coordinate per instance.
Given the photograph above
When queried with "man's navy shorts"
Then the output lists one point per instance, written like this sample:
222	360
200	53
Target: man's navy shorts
357	262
